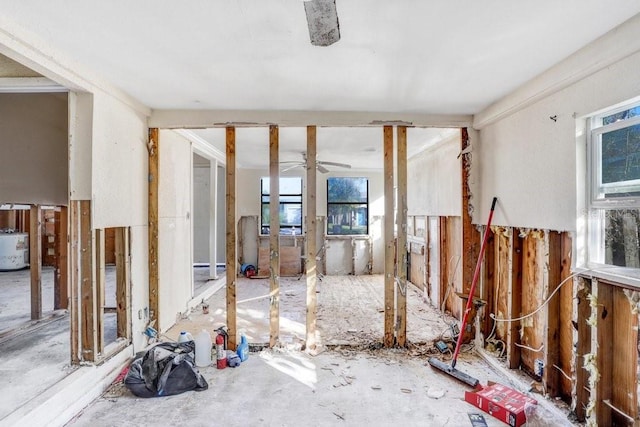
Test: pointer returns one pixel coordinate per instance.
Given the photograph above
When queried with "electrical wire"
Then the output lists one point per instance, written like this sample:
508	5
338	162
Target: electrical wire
526	347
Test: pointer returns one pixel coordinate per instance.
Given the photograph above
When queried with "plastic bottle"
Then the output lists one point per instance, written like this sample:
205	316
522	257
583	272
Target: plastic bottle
203	349
243	348
184	337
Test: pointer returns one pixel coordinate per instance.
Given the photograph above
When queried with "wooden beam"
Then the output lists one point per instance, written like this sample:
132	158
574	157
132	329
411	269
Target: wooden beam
470	236
602	346
401	221
35	260
583	347
488	283
100	286
389	247
551	339
88	301
274	235
74	282
154	178
231	260
443	244
310	239
61	275
123	295
514	299
565	342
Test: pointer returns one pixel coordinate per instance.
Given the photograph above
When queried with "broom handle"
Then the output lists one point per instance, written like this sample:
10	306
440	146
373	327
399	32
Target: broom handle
472	290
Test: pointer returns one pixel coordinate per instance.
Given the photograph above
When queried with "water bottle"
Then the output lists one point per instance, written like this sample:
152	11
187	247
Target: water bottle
203	349
243	348
184	337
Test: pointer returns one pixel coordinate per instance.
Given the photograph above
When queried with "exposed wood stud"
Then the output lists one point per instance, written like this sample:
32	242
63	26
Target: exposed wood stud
87	289
514	299
35	260
74	282
100	286
551	280
488	283
443	262
154	178
470	237
602	346
310	235
123	292
389	248
401	221
231	260
566	292
62	260
583	347
274	235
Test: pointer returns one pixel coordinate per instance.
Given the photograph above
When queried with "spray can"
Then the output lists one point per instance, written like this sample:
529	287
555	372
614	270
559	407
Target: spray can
221	352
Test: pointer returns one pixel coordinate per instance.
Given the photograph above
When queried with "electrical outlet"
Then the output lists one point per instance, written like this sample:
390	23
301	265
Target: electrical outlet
442	346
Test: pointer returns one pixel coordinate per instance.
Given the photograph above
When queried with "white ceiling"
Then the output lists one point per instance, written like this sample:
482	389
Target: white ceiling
402	56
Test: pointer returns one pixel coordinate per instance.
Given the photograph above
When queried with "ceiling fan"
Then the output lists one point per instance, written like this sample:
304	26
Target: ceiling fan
320	165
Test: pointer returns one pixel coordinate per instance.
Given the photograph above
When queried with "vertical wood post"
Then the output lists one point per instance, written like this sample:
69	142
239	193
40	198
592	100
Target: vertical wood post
100	278
123	293
87	289
213	219
231	260
602	346
154	178
74	282
583	347
470	237
35	260
551	280
444	263
61	275
310	250
389	247
514	299
274	235
401	221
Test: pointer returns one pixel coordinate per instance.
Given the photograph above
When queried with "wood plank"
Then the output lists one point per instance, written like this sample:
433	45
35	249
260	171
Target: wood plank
290	261
100	275
274	235
566	316
583	347
310	239
551	334
444	263
88	301
231	260
35	261
110	246
488	284
154	178
624	355
602	347
514	292
389	246
74	282
503	256
470	236
532	334
401	220
123	290
61	276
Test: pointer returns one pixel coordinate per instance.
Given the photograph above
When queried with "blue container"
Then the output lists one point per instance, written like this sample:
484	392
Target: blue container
243	348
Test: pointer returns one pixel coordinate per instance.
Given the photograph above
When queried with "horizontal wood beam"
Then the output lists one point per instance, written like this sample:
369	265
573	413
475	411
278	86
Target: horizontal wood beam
170	119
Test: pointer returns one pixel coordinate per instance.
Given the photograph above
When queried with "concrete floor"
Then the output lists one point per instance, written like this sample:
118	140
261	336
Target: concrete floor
352	382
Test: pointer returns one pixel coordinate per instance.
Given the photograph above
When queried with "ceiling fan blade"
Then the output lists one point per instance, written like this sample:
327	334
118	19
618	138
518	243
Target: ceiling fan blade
340	165
322	20
321	168
288	168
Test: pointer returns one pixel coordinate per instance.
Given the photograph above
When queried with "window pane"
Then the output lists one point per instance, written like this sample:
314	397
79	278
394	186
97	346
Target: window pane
290	199
621	238
622	115
620	160
347	219
290	215
347	190
291	185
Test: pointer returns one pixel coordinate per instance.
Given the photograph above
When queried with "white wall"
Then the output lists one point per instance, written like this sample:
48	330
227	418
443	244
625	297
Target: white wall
34	167
248	201
174	223
529	161
201	209
434	180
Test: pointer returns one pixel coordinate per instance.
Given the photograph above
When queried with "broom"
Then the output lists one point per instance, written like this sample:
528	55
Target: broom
451	369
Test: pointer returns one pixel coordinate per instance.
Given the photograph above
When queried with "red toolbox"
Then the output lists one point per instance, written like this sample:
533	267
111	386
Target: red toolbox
502	402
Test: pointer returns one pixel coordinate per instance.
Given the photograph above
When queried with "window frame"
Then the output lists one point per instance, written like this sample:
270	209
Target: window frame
366	203
283	228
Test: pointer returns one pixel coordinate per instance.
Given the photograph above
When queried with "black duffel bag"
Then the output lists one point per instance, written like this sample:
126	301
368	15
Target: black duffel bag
165	369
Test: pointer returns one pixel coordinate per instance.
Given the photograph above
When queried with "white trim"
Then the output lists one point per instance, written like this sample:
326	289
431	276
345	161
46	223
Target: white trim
613	46
29	85
202	147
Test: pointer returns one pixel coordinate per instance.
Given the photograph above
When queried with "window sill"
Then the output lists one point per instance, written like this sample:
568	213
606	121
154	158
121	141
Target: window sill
626	277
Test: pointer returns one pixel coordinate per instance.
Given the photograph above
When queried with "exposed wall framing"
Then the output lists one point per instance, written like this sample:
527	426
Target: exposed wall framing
389	244
35	261
231	260
401	221
274	235
310	240
154	176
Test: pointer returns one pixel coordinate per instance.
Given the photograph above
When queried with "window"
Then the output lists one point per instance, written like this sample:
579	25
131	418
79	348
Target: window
290	205
614	196
347	206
